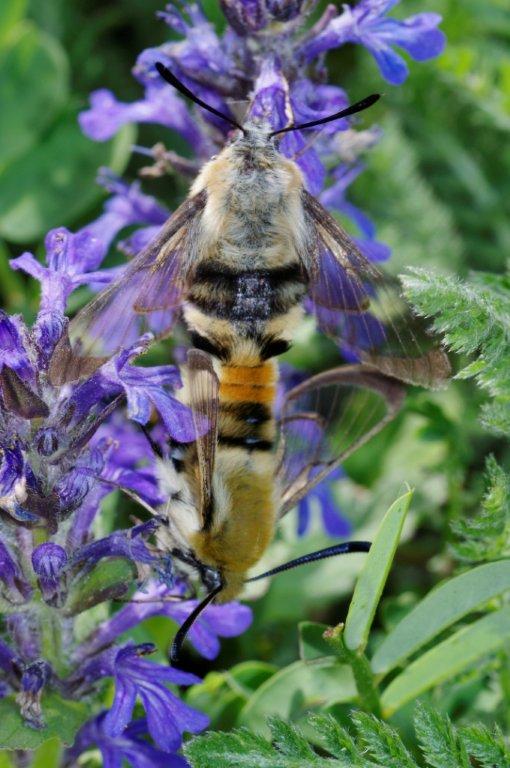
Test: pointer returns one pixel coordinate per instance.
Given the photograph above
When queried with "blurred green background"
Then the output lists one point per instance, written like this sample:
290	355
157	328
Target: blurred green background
438	187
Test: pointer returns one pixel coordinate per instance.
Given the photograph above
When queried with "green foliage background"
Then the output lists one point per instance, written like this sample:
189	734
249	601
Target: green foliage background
438	187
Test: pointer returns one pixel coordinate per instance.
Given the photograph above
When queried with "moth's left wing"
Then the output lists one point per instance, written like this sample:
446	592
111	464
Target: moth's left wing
325	419
146	297
203	389
362	308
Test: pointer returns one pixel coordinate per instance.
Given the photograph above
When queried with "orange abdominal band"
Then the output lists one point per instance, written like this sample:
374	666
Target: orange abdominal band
248	384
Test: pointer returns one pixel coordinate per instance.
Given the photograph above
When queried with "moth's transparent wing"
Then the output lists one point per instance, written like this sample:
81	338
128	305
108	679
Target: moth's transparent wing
203	392
146	297
362	309
325	419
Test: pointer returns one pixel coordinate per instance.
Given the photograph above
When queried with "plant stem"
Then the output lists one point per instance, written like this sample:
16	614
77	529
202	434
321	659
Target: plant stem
365	683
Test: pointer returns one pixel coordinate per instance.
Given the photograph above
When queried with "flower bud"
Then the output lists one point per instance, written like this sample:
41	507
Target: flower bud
46	441
284	10
245	16
33	680
49	561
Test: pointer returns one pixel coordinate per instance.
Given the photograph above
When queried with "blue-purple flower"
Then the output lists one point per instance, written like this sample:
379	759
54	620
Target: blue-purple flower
366	24
168	718
156	599
130	746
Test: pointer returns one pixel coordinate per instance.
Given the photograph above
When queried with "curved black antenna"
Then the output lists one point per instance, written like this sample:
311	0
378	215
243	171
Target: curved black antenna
358	107
337	549
171	78
180	636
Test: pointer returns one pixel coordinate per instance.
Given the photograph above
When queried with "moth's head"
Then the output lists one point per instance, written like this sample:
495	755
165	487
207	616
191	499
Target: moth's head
257	134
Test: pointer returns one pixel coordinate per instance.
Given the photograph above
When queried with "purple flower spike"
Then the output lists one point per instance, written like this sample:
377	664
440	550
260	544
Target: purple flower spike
367	25
130	746
167	717
49	561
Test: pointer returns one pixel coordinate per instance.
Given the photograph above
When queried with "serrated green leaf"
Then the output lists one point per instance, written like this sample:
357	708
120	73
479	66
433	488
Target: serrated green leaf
488	748
441	608
439	740
373	577
311	641
381	742
55	182
29	104
62	721
296	688
447	659
289	740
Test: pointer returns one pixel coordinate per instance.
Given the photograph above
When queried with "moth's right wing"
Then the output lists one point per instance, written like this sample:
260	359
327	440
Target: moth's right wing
325	419
145	297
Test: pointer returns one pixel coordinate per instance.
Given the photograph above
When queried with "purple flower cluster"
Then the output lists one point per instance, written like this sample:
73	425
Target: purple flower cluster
63	449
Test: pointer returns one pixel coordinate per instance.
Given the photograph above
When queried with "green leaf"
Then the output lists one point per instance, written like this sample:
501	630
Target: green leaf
375	744
62	719
33	88
382	742
54	183
447	659
296	688
242	749
441	608
438	739
311	641
110	578
11	13
373	577
488	748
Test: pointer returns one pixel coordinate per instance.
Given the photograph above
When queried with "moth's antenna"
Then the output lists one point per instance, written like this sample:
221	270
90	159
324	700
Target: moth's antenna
358	107
180	636
153	444
171	78
337	549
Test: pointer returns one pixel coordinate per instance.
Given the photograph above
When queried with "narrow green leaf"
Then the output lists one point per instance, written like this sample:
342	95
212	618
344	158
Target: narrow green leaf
311	641
62	719
373	577
296	688
440	609
447	659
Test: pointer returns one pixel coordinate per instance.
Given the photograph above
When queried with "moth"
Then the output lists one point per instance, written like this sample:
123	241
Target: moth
237	263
